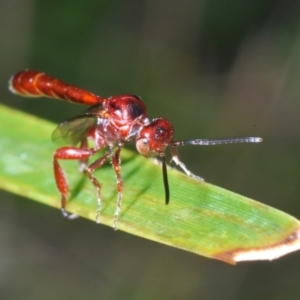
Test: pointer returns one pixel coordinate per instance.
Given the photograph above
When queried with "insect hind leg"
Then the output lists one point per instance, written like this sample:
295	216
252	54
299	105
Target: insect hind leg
67	153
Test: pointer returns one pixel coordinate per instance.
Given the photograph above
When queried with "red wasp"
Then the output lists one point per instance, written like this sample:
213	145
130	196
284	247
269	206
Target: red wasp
109	123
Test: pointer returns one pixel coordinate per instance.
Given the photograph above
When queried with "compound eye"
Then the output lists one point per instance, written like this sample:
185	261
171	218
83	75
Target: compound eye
142	145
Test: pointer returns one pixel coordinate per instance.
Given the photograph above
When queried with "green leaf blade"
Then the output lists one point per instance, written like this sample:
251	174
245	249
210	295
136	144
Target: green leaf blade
201	218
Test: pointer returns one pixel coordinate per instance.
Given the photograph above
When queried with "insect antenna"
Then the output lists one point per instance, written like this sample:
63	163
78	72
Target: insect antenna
207	142
165	178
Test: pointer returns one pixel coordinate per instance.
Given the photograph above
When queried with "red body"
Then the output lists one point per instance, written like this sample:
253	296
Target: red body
109	123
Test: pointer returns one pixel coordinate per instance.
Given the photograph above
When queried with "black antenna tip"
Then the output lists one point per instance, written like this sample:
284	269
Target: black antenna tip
165	179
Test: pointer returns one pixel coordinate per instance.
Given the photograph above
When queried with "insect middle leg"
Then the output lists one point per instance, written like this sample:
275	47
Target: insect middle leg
117	168
83	163
90	169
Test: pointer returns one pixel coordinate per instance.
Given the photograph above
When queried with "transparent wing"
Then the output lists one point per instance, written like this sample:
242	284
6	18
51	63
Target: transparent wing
73	130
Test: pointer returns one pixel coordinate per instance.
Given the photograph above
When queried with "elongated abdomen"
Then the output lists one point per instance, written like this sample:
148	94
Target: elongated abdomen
30	83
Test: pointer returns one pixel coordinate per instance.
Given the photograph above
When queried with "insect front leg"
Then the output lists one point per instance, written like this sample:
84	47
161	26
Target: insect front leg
179	163
95	165
67	153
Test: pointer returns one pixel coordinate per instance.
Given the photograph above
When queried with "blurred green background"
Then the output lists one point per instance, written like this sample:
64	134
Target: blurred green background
215	69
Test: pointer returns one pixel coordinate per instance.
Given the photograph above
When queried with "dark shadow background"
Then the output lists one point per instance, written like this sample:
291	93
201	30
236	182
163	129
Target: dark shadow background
214	68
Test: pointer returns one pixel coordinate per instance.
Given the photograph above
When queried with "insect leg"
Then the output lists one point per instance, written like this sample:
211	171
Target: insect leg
95	165
117	168
83	162
67	153
179	163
